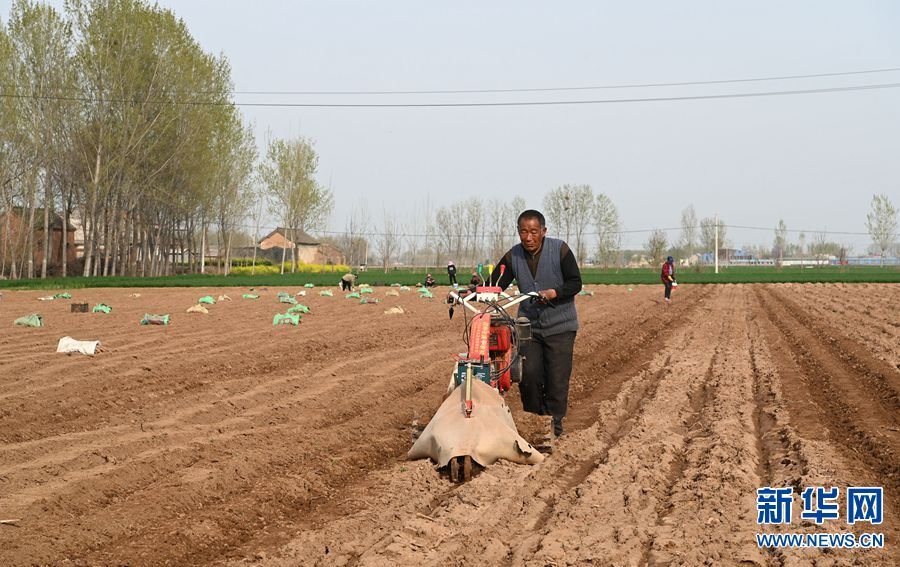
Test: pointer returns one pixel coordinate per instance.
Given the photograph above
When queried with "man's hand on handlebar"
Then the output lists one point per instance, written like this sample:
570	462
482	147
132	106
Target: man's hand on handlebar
546	295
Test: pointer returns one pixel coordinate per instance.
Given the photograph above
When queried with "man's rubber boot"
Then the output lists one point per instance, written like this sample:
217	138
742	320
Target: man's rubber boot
557	427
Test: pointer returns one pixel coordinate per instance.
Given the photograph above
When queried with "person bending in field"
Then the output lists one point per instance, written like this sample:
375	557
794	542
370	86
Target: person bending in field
547	266
429	281
347	282
668	277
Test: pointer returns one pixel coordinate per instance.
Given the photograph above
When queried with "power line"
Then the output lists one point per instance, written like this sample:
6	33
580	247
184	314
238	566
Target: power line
579	88
459	104
530	90
512	233
807	231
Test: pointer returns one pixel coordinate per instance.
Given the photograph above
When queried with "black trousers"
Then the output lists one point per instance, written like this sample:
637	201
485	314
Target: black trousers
545	373
668	289
346	286
452	278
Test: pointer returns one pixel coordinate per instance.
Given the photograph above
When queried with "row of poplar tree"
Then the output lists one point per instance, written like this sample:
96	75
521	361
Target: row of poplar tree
112	112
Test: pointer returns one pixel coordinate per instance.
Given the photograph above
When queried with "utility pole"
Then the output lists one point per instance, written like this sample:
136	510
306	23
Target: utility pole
716	251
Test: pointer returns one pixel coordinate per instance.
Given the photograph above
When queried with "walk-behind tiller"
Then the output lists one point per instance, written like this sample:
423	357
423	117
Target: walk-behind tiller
474	423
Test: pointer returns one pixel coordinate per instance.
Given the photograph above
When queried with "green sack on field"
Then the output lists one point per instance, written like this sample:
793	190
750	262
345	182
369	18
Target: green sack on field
250	296
309	285
286	319
155	319
585	292
101	308
369	300
33	320
404	288
366	290
352	295
426	295
299	308
395	285
207	299
287	299
63	295
326	293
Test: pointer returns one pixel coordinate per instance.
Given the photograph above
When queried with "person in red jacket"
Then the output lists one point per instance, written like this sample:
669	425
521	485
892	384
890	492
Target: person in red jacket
668	276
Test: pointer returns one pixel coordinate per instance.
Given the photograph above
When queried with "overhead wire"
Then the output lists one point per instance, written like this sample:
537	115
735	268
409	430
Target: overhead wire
573	88
175	102
521	89
617	232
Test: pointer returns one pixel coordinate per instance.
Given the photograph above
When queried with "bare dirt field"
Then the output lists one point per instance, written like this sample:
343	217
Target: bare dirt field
222	440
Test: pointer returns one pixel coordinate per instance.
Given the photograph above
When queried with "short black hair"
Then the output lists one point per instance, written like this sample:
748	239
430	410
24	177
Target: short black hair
532	214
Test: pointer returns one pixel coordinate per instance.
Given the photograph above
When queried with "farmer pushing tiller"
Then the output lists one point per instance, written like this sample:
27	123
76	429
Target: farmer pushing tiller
534	350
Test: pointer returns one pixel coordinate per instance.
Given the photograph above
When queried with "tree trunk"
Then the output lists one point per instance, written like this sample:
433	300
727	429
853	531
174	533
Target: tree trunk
64	246
7	234
48	244
98	226
283	254
91	216
202	246
108	224
4	246
29	246
155	254
228	254
145	251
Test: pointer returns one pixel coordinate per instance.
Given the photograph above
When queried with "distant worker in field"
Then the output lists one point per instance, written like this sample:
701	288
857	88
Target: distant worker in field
476	280
668	277
429	281
547	266
451	271
348	281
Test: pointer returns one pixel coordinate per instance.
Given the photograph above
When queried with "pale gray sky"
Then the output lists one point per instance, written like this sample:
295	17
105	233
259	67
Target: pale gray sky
813	160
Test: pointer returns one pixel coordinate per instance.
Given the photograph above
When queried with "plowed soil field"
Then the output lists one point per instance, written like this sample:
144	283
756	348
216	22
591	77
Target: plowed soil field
222	440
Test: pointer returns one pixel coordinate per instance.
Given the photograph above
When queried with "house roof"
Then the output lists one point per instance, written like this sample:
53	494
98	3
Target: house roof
299	237
55	219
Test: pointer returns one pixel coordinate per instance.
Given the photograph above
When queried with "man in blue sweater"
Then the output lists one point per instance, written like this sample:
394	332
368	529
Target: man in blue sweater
545	265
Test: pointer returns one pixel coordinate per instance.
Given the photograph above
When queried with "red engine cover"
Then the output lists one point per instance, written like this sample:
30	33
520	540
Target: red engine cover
501	339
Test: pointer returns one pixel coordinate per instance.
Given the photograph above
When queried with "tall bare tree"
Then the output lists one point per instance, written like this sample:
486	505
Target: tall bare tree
473	222
258	202
568	211
820	246
581	200
513	209
656	246
355	239
781	242
882	223
689	230
497	230
708	234
389	240
609	229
